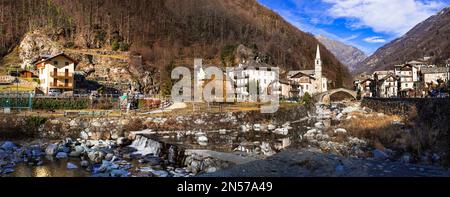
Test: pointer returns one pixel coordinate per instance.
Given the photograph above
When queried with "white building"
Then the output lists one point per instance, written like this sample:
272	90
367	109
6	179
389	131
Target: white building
408	75
56	73
252	74
311	81
388	86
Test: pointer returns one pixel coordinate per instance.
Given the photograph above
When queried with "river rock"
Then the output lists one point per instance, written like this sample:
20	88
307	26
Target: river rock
340	130
109	157
319	125
120	173
71	166
267	149
84	135
281	131
380	155
202	139
77	151
339	116
244	128
84	164
8	146
211	170
61	155
160	173
271	127
96	156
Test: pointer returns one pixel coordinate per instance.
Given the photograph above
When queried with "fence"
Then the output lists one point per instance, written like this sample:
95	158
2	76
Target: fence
16	100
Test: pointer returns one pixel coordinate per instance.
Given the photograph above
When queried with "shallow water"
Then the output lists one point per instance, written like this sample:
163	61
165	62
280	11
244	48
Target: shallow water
55	168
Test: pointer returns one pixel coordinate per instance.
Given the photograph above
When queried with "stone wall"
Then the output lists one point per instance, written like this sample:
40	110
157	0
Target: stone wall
406	106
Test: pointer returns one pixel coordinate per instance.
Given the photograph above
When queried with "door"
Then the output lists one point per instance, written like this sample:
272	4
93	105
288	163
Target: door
66	72
55	72
66	82
55	82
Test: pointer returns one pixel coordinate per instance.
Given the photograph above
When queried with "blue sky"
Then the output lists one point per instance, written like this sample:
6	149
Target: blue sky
365	24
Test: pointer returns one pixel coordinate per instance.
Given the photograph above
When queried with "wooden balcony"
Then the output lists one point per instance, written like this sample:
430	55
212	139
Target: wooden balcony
61	75
61	85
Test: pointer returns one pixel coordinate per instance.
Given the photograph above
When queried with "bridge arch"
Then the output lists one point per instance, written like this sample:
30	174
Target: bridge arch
325	97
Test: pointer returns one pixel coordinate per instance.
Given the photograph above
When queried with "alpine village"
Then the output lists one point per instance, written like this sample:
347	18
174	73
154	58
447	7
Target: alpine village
89	88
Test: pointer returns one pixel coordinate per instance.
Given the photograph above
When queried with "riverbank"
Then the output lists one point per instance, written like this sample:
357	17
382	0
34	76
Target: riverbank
109	147
341	139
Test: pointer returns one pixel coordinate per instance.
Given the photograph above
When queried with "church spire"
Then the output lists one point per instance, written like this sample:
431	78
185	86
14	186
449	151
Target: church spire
318	52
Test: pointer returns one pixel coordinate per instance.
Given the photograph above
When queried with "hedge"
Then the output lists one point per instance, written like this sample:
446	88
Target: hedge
68	104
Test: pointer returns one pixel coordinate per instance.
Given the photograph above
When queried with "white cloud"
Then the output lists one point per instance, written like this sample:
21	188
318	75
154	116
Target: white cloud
375	39
387	16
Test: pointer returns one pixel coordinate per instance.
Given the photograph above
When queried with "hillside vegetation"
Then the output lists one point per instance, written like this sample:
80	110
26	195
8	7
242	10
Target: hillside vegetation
167	32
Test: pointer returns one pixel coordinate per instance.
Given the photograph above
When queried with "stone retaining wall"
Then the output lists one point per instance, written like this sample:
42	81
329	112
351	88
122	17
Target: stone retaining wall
406	106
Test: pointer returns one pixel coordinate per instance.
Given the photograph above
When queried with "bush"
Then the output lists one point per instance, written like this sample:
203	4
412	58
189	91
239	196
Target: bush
306	99
36	121
115	45
124	46
52	104
69	45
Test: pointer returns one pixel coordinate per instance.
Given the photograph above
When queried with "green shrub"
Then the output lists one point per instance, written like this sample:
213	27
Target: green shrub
306	99
115	45
36	121
53	104
124	46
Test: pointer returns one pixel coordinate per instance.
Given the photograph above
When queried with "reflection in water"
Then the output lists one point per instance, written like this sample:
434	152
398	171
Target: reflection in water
56	168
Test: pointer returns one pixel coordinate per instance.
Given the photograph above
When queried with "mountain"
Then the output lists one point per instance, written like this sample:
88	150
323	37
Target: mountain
166	33
431	38
350	56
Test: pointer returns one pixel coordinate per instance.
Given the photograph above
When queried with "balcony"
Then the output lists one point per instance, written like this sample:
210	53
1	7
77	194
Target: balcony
61	85
61	75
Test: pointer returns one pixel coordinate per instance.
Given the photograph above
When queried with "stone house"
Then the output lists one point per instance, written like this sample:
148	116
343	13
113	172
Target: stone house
431	75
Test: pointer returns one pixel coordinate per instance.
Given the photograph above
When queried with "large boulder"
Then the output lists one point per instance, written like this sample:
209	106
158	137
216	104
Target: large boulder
51	149
35	44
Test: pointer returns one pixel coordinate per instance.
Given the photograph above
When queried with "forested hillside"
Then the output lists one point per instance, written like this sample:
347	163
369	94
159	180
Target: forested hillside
168	32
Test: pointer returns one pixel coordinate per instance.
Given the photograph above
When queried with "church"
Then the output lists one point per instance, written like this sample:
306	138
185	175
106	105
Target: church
310	81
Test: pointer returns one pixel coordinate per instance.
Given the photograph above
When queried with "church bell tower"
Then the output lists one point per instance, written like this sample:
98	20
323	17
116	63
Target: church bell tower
318	71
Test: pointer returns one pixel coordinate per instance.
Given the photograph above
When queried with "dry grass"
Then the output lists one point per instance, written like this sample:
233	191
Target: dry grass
14	88
379	130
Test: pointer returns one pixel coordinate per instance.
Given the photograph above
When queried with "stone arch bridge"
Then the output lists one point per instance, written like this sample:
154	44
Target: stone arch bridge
325	97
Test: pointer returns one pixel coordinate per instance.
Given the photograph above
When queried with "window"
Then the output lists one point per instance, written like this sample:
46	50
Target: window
55	63
406	85
67	63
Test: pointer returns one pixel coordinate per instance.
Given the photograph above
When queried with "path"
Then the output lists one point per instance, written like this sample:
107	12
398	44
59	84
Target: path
172	107
311	163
